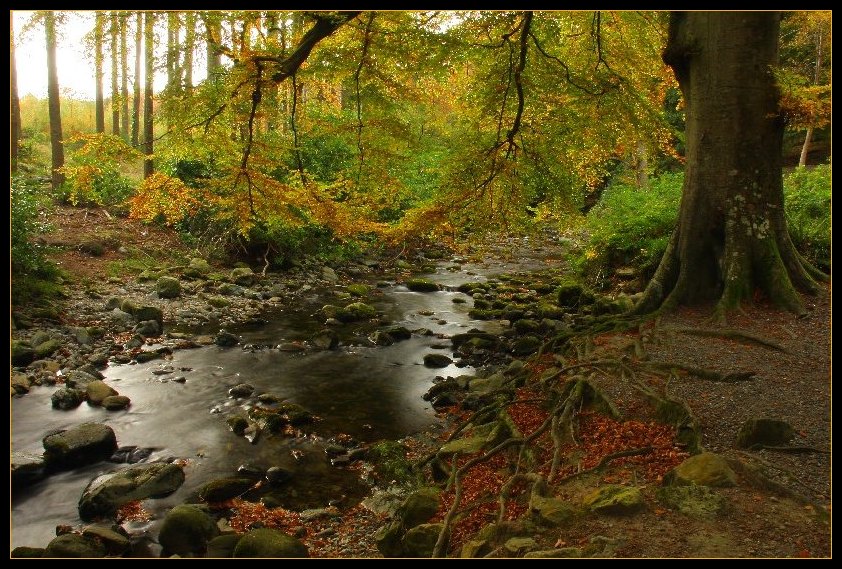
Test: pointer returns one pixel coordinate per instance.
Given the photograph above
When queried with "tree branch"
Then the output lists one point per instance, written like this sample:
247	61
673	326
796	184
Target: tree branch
325	25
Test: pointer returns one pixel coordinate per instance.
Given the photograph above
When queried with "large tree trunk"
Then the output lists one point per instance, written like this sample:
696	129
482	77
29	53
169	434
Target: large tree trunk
124	76
100	96
148	126
138	47
115	80
53	101
731	239
14	100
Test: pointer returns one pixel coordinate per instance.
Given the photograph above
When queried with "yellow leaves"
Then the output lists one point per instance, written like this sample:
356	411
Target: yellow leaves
809	106
170	198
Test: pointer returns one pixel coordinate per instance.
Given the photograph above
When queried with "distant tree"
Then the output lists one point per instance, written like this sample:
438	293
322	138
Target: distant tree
115	79
138	50
53	101
14	111
124	76
148	126
99	24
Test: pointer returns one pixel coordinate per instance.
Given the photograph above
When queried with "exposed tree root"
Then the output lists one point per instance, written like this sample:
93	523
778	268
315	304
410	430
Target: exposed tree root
730	334
605	461
707	374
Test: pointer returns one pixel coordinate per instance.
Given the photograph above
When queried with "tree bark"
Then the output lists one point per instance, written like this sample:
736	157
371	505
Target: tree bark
100	96
731	240
138	47
148	126
14	100
172	50
124	76
189	47
213	35
53	101
115	80
808	138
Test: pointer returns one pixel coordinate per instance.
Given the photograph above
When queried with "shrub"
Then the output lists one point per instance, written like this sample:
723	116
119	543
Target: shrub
32	272
807	206
93	171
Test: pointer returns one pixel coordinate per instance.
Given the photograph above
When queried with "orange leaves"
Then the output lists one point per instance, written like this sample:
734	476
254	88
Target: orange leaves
244	516
161	195
132	512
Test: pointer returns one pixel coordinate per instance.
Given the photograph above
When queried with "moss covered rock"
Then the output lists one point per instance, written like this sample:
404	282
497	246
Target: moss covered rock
418	507
186	531
265	542
614	500
705	469
72	545
224	489
358	289
97	391
421	285
83	444
168	287
693	500
242	276
763	432
421	540
437	360
355	312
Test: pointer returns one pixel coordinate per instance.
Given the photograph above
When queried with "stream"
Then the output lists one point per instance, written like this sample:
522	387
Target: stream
367	392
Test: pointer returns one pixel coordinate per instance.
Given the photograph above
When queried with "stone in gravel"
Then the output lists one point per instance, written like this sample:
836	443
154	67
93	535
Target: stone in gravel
105	494
242	276
121	317
422	285
325	340
97	391
22	353
265	542
224	489
168	287
437	360
115	542
116	402
705	469
241	390
277	475
763	432
226	339
329	275
26	468
613	499
71	545
80	445
186	531
66	398
421	540
148	329
45	349
197	268
230	289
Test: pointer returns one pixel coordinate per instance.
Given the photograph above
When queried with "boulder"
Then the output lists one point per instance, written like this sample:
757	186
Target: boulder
705	469
265	542
526	345
22	353
465	446
79	379
20	383
329	275
66	398
325	340
115	542
388	540
242	276
116	402
693	500
148	329
26	552
358	289
437	360
355	312
613	499
224	489
418	507
277	475
97	391
197	268
237	424
381	338
84	444
551	511
763	432
226	339
105	494
186	531
223	546
399	333
230	289
241	390
71	545
421	540
145	313
422	285
26	468
45	349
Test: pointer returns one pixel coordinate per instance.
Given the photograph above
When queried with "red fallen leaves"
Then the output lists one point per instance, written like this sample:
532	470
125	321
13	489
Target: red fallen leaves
132	512
245	514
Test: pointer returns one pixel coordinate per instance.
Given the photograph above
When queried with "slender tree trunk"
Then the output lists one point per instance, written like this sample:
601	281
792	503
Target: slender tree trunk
213	35
115	79
54	103
148	126
124	76
642	166
14	111
138	49
99	24
808	138
189	47
731	240
173	67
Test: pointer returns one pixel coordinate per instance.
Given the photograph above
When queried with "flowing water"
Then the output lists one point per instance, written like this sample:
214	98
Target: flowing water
369	393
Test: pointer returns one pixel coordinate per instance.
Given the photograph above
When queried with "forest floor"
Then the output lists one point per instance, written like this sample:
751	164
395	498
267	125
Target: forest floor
780	505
